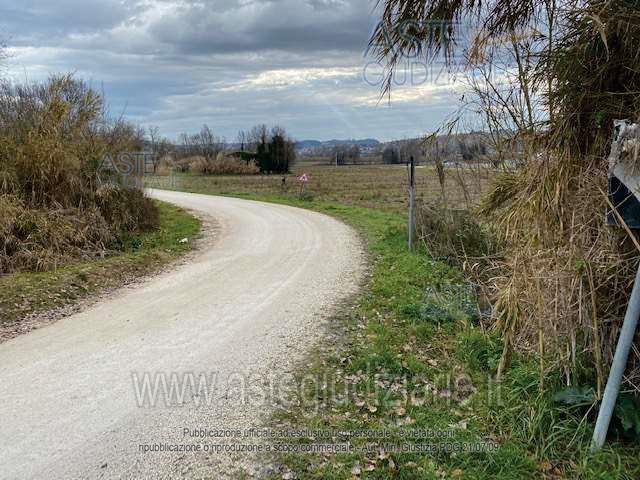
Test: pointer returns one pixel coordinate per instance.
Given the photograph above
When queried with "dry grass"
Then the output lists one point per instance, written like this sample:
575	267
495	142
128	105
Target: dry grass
566	277
561	289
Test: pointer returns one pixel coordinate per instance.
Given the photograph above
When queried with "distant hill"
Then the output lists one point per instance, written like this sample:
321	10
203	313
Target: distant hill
301	145
366	142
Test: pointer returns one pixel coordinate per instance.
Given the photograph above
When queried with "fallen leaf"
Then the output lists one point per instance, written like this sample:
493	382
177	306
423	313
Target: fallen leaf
545	466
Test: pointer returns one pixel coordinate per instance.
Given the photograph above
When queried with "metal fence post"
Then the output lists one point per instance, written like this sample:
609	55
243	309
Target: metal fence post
617	367
412	174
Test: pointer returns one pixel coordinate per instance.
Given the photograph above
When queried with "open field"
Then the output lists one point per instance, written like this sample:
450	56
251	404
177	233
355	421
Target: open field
372	186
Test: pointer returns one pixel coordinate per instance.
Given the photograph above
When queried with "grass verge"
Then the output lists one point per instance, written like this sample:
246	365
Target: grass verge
411	369
23	294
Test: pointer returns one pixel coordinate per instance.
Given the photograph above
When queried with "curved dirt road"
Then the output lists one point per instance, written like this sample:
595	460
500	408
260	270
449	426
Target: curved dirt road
239	313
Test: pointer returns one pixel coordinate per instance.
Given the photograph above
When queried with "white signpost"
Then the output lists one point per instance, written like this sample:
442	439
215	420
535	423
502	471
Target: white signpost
303	179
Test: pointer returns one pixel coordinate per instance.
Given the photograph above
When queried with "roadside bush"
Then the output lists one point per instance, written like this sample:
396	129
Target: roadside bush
125	209
275	151
40	239
53	137
565	277
450	234
222	165
182	164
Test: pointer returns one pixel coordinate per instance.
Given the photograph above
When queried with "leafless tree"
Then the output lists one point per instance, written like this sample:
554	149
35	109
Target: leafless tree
258	135
204	143
242	139
159	145
345	154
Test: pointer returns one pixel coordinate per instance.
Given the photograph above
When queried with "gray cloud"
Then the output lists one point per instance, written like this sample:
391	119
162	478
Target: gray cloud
291	25
231	64
45	22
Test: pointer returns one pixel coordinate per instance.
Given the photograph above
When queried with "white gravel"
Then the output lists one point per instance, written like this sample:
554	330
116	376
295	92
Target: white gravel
245	308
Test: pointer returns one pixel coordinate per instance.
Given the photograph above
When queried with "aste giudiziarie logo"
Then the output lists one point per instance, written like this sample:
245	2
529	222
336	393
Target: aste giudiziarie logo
126	169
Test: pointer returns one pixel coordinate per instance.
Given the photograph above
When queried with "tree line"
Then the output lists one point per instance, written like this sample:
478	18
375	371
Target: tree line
271	149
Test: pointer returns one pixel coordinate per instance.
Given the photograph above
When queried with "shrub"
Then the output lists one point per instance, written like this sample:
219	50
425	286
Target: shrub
53	137
565	277
222	165
450	234
275	151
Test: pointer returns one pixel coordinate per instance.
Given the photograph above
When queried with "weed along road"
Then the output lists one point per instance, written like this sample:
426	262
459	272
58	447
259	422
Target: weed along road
92	396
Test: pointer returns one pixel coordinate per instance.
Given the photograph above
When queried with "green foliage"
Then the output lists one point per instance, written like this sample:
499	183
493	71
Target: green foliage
444	304
480	351
628	413
247	156
275	154
576	396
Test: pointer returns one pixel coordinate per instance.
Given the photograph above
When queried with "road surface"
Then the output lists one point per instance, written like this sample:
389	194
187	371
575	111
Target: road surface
235	316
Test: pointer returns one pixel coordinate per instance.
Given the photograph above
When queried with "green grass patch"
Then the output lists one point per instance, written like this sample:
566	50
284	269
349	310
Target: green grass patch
22	294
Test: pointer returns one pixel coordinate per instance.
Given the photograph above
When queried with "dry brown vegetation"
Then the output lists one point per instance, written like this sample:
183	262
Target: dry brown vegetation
221	165
53	208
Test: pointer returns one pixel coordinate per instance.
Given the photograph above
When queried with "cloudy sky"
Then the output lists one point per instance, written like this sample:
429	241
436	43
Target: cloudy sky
230	64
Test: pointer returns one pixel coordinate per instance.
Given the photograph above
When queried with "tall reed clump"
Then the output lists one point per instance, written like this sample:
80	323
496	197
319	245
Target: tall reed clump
569	275
561	287
53	206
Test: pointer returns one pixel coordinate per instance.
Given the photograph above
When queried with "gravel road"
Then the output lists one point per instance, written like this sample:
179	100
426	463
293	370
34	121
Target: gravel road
236	316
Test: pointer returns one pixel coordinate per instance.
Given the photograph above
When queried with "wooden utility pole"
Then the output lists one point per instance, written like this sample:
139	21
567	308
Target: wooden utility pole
412	175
